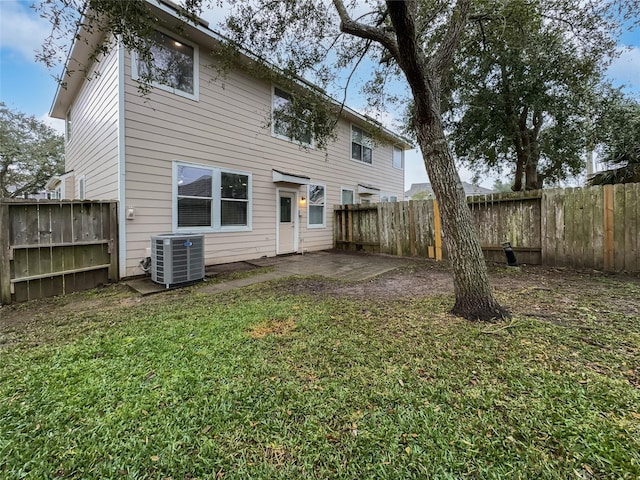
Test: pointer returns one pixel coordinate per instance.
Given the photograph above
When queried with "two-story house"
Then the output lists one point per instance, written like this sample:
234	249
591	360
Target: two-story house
199	154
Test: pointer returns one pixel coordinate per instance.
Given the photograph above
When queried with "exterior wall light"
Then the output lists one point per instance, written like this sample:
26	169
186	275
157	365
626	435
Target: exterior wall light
303	202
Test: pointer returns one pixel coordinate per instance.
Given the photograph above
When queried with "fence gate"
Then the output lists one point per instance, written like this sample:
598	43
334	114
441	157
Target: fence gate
52	247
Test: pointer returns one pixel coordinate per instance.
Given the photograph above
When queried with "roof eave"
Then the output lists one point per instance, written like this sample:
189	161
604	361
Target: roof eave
78	63
75	70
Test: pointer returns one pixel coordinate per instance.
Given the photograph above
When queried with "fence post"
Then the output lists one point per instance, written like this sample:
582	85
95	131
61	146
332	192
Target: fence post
114	228
5	270
437	230
609	242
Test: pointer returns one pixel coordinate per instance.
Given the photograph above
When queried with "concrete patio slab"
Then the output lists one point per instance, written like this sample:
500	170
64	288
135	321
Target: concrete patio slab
331	264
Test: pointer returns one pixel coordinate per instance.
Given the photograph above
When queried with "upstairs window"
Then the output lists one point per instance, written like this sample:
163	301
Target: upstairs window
172	66
284	119
360	145
398	157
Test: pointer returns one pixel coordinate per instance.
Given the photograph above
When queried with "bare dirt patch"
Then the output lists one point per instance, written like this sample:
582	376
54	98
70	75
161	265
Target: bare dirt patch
560	296
553	294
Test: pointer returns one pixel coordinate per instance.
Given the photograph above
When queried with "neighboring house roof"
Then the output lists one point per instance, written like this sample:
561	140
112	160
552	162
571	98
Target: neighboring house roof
469	189
86	40
200	187
54	181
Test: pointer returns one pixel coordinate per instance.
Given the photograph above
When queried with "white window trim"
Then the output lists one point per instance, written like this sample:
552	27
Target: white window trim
135	75
215	200
82	192
273	124
393	149
364	133
324	209
346	189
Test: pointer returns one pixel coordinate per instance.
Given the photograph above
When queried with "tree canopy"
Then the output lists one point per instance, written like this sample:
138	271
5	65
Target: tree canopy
526	83
31	153
619	138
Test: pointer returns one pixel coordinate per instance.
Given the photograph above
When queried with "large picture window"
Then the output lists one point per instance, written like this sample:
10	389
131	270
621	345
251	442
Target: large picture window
208	198
172	65
317	202
284	119
360	145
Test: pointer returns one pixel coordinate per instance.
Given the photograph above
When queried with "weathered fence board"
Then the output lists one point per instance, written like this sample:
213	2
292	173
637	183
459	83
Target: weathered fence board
592	227
51	247
509	218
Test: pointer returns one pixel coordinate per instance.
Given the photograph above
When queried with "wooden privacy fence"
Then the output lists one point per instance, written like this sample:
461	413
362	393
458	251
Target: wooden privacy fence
51	247
591	227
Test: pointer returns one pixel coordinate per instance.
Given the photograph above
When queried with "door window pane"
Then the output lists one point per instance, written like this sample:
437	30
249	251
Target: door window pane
285	209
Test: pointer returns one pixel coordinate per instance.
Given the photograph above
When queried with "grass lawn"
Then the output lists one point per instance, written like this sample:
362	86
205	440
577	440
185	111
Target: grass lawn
269	383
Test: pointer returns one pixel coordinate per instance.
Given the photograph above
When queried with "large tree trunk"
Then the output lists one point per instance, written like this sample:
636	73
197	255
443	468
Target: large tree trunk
532	178
474	298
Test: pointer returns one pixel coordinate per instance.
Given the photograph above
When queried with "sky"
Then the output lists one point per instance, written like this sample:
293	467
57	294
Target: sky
27	86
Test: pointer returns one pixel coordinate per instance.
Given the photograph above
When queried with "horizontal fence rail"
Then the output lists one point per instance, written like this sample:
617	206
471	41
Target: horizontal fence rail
591	227
51	247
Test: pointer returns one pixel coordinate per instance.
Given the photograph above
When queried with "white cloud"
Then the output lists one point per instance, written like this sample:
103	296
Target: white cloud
21	30
625	70
55	123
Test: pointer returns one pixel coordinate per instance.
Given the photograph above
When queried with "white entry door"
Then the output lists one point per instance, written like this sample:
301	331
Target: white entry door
287	222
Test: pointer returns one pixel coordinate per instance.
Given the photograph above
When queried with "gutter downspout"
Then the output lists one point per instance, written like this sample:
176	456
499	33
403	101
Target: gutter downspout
122	229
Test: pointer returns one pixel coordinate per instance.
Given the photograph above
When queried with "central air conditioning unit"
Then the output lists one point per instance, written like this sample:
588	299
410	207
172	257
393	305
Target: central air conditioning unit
177	258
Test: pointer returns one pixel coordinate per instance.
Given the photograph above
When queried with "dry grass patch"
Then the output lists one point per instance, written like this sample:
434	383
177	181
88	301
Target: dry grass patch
274	326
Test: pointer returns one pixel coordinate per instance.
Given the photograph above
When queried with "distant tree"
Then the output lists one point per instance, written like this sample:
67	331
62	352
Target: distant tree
423	195
524	85
31	153
500	186
620	142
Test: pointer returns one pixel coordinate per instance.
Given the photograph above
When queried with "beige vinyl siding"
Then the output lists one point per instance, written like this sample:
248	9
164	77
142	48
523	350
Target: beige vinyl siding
69	186
228	128
93	148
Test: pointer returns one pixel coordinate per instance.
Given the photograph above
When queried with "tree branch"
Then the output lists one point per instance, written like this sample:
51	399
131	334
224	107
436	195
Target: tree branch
457	22
402	14
346	87
367	32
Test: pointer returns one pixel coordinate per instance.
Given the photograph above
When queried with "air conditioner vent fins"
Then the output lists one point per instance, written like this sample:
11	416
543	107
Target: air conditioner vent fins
177	258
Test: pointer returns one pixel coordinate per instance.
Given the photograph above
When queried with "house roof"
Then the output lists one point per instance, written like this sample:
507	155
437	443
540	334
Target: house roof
78	62
469	189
